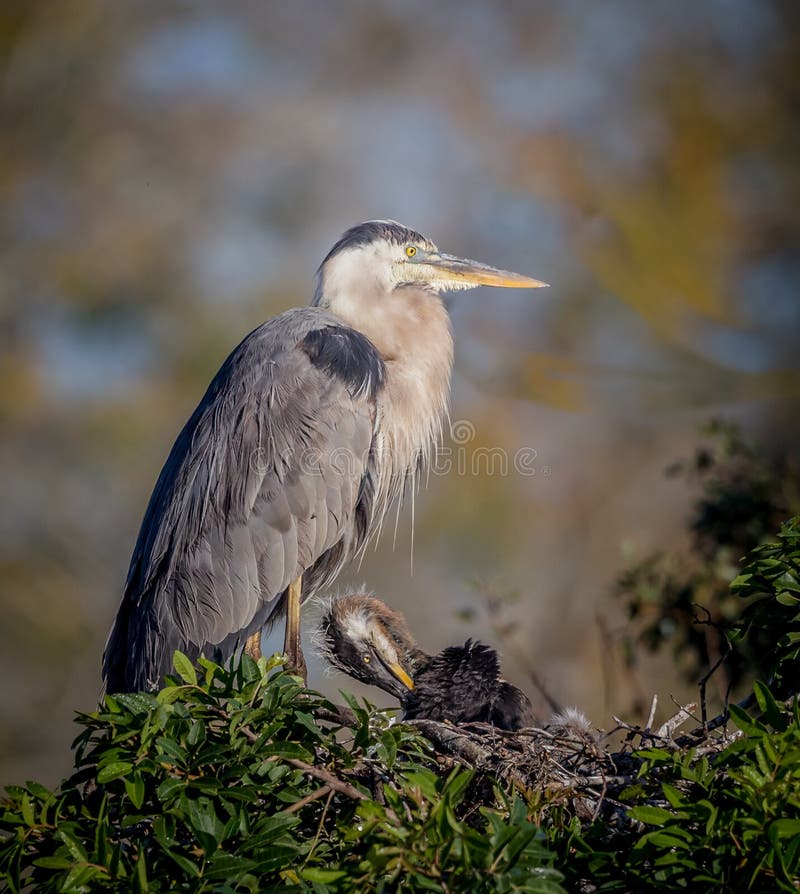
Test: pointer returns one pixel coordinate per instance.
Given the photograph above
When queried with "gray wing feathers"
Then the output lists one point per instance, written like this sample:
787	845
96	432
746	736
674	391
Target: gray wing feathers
261	486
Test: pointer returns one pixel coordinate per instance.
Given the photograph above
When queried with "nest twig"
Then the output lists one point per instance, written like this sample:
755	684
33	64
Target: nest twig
564	765
568	766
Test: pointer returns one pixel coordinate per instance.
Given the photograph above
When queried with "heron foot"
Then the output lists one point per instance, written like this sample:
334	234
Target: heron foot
296	663
253	646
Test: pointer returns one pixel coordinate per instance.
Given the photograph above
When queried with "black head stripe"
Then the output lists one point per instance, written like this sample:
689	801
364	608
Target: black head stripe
376	231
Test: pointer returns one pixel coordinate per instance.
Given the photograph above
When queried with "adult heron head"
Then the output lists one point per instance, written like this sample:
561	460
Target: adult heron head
382	257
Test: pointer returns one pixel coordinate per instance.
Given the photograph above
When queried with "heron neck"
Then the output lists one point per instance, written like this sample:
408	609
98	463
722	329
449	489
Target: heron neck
418	354
411	329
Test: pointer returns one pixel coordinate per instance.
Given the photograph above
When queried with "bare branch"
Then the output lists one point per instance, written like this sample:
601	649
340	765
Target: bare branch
314	796
667	728
652	716
338	785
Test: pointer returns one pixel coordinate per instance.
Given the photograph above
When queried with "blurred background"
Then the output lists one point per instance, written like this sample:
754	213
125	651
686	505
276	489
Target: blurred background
172	174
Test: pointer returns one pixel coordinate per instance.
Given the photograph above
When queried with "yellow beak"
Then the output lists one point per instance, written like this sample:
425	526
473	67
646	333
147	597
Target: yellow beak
401	675
464	270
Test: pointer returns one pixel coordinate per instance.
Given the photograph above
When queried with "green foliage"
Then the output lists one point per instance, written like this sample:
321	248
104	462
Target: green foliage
231	783
227	783
770	624
687	602
728	824
730	821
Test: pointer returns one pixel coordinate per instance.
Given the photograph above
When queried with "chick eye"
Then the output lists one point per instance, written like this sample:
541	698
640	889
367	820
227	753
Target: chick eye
411	250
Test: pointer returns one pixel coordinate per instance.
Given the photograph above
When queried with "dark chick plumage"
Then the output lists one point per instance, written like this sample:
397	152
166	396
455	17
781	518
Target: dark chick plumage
366	639
462	684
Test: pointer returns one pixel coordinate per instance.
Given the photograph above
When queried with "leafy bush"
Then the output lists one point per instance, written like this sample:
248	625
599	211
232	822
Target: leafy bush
228	784
685	602
729	823
242	782
770	623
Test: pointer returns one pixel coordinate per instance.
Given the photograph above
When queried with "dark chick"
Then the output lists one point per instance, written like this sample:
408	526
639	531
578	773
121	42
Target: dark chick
463	684
366	639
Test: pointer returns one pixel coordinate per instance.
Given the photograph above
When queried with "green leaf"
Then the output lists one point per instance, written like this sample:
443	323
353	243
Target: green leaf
77	879
228	866
387	749
169	694
26	809
321	876
270	828
54	862
114	770
655	754
293	750
135	789
137	702
197	734
667	839
675	798
187	865
785	828
249	669
276	857
40	791
184	667
141	872
169	788
741	581
769	706
308	722
74	846
745	722
651	816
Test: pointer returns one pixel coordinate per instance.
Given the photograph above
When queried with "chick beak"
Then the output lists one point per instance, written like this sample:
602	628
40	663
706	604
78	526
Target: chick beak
401	675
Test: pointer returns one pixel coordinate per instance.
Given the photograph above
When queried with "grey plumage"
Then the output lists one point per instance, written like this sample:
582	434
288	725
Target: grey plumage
248	499
288	465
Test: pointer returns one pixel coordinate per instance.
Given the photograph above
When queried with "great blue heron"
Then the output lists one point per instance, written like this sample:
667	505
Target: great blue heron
366	639
288	465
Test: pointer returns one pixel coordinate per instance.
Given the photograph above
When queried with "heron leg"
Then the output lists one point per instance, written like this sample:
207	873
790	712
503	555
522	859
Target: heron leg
252	645
295	662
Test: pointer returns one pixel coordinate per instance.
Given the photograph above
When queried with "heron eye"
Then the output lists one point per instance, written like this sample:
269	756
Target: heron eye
366	658
411	250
